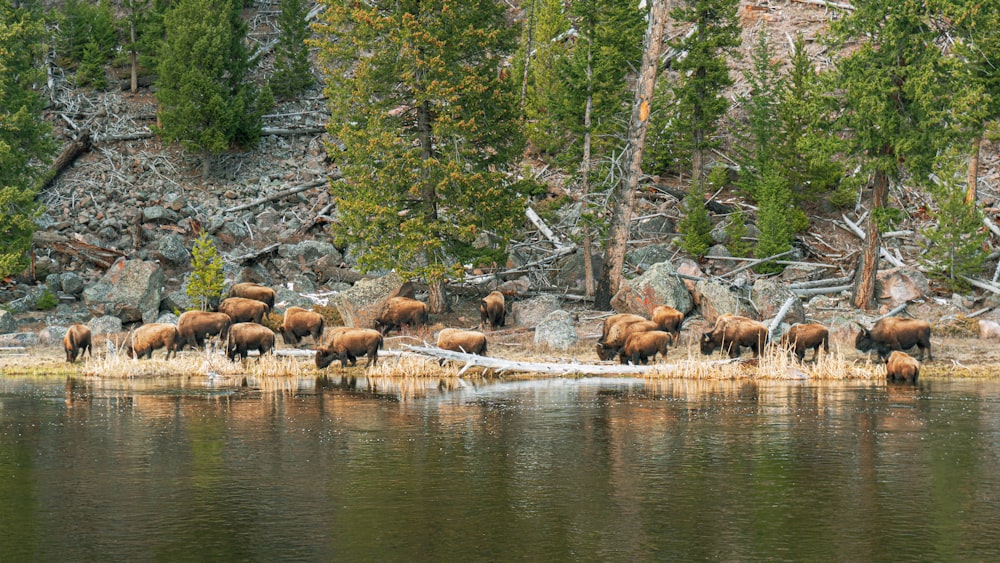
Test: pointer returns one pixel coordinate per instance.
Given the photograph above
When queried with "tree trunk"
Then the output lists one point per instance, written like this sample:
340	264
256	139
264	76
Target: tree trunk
527	54
206	164
864	289
588	259
624	200
437	300
133	58
972	178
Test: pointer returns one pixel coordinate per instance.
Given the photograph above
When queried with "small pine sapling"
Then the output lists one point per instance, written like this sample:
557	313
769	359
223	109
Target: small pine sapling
206	281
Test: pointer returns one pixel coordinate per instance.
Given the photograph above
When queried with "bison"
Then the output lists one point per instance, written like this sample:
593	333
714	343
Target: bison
300	323
669	319
255	291
349	344
493	310
802	337
400	312
243	310
151	337
457	340
895	333
77	342
194	327
731	332
902	367
608	347
615	319
244	337
640	346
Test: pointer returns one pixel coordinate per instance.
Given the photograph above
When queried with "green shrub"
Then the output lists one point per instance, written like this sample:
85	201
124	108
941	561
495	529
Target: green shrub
47	301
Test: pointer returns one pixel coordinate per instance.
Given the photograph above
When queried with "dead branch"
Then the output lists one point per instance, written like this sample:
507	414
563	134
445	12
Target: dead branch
827	4
821	290
100	256
254	255
821	283
290	131
282	194
66	158
785	307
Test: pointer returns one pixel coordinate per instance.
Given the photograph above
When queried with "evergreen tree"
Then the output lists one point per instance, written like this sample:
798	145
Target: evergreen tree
83	24
543	43
205	104
430	133
774	231
736	231
292	71
206	281
702	74
26	145
696	226
955	240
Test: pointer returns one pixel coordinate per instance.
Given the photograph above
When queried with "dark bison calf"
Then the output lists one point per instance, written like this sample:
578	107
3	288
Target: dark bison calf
641	346
77	342
300	323
731	332
612	342
902	367
802	337
669	319
493	310
349	344
895	333
400	312
255	291
194	327
244	337
151	337
243	310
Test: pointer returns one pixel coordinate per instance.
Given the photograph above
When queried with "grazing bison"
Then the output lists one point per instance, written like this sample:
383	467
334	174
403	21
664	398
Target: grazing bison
151	337
615	319
349	344
400	312
493	310
731	332
802	337
243	310
300	323
194	327
902	367
669	319
641	346
895	333
457	340
255	291
244	337
618	333
77	342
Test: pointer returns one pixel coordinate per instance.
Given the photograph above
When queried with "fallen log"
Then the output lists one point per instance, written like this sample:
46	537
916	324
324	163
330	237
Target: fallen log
99	256
805	292
255	254
281	194
66	158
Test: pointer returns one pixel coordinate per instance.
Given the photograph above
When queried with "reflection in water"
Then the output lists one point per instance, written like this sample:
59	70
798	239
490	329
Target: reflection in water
458	469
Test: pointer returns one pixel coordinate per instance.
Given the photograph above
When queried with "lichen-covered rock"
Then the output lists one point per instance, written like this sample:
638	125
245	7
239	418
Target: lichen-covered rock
8	323
129	290
658	286
770	294
531	312
556	331
107	324
361	305
716	299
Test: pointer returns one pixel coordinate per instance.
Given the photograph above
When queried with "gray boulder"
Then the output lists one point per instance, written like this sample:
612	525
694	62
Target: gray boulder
899	285
556	331
8	323
285	298
129	290
658	286
159	214
52	335
309	251
360	305
644	258
106	324
715	299
26	339
769	295
531	312
173	250
71	283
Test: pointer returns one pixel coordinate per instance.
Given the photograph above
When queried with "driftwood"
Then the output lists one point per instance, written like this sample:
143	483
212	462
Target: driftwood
281	194
66	158
472	360
103	257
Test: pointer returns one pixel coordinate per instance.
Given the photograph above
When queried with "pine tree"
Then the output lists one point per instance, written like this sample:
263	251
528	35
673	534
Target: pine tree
736	231
955	240
205	103
535	66
206	281
774	230
26	145
696	226
292	70
430	133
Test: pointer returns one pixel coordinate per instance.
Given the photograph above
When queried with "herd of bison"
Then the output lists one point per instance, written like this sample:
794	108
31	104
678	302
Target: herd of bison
633	338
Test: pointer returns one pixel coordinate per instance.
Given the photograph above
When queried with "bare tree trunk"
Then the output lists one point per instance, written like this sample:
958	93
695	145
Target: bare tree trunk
527	54
972	178
864	289
624	200
206	164
133	58
588	260
437	301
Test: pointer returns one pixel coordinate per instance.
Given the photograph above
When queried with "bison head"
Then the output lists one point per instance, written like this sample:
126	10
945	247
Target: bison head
863	341
707	344
324	358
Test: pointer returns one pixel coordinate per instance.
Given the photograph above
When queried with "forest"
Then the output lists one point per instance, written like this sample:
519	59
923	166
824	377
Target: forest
443	112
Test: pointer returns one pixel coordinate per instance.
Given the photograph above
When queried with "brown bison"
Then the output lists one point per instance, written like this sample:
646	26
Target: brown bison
641	346
457	340
243	310
151	337
618	333
400	312
300	323
194	327
244	337
802	337
77	342
731	332
349	344
255	291
615	319
493	310
902	367
895	333
669	319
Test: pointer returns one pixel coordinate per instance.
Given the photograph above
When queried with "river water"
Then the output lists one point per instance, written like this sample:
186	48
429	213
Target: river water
544	470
